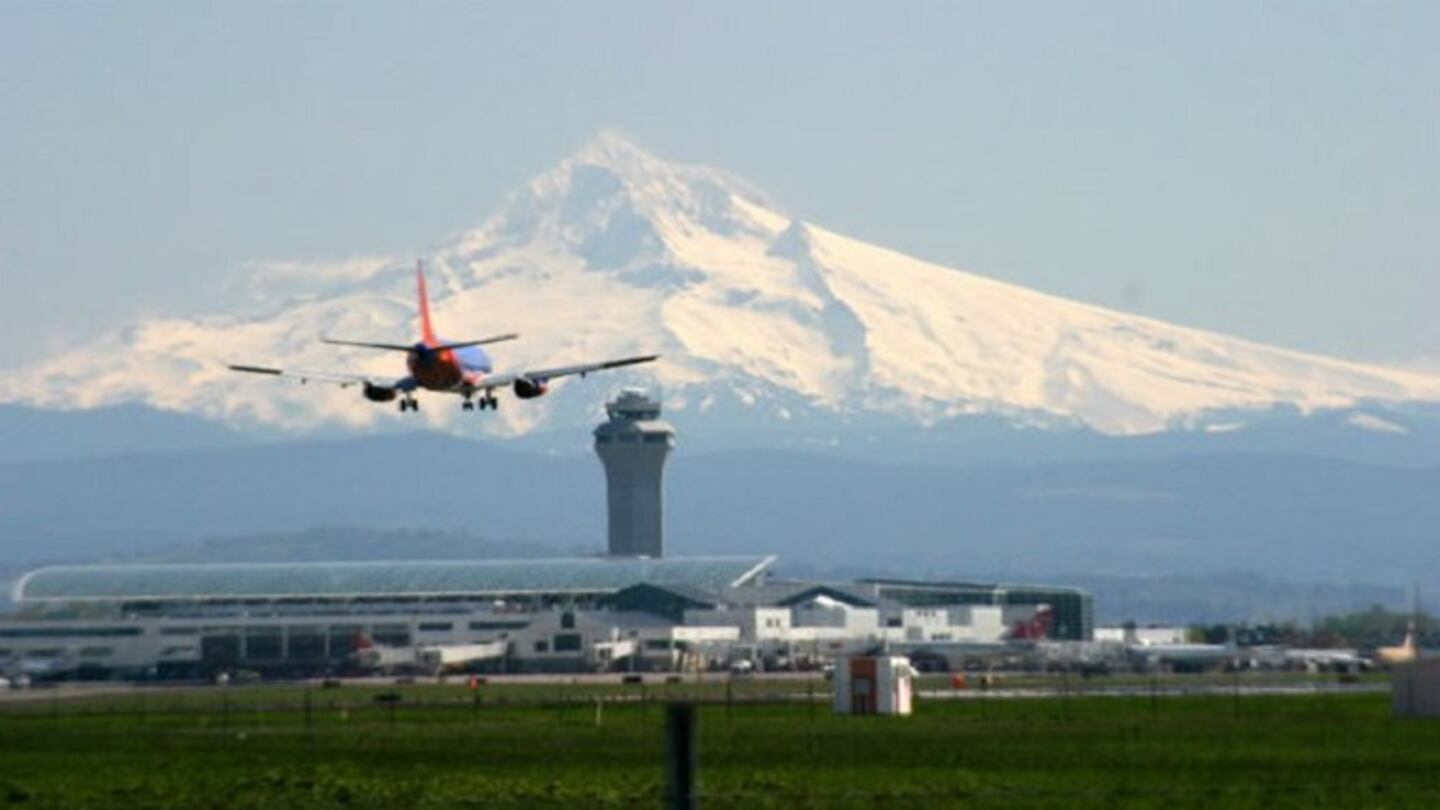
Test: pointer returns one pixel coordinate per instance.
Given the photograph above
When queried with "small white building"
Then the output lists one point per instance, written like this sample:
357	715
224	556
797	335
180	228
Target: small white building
755	624
874	685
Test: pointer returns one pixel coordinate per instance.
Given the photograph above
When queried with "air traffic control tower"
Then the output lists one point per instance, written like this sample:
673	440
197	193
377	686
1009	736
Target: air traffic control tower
633	446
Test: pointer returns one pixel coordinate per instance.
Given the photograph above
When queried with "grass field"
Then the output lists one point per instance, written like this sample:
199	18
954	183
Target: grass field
530	746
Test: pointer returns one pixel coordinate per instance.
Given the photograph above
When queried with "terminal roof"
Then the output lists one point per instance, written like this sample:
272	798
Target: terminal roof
380	579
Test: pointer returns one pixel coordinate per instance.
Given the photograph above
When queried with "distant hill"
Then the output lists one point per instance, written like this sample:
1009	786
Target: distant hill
35	434
1230	597
1285	517
140	503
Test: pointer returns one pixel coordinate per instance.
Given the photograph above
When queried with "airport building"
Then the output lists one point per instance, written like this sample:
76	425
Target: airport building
632	609
314	617
588	614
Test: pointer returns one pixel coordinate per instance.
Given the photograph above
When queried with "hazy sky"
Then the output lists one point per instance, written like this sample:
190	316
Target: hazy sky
1266	169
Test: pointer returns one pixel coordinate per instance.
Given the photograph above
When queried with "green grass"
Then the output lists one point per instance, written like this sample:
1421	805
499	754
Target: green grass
260	748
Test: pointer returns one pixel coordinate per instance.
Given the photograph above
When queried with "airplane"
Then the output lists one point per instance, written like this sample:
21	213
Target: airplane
432	658
1346	660
23	670
1182	656
1403	653
435	364
1036	628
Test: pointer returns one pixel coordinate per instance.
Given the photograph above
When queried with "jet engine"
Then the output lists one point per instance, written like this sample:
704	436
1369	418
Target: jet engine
526	388
378	393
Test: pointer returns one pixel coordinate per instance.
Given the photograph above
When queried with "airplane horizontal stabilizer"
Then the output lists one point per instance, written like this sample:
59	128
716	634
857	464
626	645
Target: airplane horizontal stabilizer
396	347
257	370
480	342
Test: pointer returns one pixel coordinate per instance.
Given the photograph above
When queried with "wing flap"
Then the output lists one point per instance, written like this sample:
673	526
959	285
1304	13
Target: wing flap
586	368
340	378
545	374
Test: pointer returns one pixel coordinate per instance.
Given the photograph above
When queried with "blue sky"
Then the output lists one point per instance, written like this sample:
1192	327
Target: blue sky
1266	169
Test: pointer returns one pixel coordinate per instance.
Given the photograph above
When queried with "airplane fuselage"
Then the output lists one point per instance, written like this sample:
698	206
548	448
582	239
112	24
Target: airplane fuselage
447	369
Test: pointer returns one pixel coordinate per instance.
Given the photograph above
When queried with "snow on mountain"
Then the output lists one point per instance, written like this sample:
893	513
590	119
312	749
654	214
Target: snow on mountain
760	317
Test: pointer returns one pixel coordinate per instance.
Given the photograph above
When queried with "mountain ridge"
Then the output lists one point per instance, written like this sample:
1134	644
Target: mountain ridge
763	319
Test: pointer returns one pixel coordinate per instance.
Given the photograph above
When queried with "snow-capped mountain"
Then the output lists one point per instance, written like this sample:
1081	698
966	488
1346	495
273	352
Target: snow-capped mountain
760	318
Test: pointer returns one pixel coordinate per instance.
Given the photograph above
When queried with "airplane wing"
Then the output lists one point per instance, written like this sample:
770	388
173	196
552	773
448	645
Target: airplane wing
343	379
542	375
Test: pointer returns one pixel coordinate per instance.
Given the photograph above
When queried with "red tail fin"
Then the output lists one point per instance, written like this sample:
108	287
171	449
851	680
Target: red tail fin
427	330
1036	628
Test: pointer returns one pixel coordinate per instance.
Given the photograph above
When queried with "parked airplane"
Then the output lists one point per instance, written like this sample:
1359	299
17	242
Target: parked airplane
21	671
1182	656
430	658
1036	628
1403	653
451	367
1344	660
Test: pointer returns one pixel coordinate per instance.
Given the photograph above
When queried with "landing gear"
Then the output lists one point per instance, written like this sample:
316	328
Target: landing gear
409	404
487	402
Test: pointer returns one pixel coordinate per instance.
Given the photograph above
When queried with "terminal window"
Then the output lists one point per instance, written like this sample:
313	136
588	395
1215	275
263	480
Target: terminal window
391	635
497	625
306	645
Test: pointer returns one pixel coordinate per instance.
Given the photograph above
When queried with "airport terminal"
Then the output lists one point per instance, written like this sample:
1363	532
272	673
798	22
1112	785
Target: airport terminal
633	609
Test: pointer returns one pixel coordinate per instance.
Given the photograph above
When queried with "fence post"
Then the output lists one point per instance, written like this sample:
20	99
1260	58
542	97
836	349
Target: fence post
680	757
